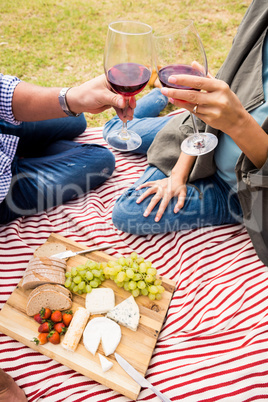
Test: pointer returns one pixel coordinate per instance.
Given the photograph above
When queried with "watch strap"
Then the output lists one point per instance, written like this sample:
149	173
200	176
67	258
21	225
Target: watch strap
64	104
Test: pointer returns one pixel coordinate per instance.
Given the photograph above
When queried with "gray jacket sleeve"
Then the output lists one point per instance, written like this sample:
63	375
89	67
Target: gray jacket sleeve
253	197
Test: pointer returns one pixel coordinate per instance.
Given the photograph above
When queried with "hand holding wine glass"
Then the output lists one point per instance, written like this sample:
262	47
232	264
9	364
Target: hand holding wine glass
127	65
182	52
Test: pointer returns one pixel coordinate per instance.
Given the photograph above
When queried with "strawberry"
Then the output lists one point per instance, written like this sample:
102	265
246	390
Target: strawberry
41	339
38	318
60	328
45	313
56	316
45	327
67	317
54	337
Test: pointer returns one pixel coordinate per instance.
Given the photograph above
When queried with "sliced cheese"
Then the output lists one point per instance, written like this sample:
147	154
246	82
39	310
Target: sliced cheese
75	329
110	337
126	313
105	363
101	329
91	337
100	300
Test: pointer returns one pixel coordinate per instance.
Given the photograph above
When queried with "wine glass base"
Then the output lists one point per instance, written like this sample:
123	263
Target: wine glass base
199	144
124	143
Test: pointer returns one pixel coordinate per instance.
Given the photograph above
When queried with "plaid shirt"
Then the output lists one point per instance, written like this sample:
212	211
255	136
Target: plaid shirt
8	143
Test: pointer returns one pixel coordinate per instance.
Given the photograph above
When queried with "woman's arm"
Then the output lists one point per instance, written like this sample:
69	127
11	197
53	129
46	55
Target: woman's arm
220	108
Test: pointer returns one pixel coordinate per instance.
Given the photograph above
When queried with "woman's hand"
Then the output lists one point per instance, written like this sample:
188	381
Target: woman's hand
217	105
164	191
95	96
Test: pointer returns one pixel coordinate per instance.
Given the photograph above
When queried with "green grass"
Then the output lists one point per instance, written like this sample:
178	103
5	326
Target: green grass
60	43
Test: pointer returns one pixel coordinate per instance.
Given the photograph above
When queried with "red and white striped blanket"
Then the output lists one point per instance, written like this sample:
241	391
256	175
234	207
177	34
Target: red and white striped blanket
214	342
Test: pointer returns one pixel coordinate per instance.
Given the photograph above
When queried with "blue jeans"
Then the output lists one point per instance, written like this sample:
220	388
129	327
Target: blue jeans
49	168
209	201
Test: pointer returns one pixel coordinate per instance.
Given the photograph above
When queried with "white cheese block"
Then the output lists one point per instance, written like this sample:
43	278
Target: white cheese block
105	363
100	300
101	329
126	313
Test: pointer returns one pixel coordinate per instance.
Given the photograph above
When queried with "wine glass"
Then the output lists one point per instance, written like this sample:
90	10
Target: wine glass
128	63
182	52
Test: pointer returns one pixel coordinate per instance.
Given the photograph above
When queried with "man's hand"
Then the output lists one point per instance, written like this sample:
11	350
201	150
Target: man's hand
95	96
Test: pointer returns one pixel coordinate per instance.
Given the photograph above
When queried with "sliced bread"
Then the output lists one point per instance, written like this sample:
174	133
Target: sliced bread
32	268
45	271
48	249
32	281
57	288
51	261
47	298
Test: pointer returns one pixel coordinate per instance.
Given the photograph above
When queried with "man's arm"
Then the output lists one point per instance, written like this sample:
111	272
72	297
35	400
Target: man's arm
32	103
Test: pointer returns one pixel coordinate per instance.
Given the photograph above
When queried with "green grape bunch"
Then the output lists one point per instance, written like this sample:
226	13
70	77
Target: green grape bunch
84	277
132	273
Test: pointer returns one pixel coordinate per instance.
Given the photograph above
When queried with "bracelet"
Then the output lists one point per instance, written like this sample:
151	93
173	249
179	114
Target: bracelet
64	104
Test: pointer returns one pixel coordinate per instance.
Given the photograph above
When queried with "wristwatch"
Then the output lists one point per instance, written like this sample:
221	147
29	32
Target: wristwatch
64	104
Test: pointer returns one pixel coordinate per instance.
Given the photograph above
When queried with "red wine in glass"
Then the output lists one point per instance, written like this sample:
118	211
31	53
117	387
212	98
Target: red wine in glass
182	52
174	69
128	59
128	79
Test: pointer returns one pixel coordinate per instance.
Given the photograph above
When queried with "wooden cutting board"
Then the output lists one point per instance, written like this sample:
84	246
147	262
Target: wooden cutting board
136	347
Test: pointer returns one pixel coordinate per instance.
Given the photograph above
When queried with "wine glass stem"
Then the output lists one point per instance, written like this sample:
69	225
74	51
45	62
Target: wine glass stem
124	133
198	141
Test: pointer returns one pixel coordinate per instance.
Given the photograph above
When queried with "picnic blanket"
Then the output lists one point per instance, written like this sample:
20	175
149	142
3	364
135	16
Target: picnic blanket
214	342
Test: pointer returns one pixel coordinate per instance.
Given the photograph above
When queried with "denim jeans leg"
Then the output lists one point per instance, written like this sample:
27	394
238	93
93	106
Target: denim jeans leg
208	203
36	136
45	182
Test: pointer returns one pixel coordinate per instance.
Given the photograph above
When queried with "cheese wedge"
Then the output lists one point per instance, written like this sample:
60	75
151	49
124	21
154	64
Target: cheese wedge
105	363
75	330
126	314
100	300
101	329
